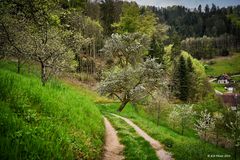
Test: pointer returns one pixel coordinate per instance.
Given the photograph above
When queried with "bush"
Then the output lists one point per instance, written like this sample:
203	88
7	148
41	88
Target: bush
168	142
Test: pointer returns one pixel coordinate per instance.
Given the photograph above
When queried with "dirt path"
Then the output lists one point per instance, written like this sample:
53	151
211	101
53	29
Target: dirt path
161	153
113	149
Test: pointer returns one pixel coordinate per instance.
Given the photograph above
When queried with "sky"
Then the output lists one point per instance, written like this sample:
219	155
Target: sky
187	3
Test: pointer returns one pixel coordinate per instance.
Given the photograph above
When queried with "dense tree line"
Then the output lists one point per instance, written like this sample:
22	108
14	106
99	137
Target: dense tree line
210	21
209	47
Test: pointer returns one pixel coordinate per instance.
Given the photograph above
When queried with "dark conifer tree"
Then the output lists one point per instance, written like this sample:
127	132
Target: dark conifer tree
183	79
156	50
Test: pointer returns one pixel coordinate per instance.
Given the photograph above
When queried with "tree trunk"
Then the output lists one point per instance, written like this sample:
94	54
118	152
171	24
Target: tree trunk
123	104
182	127
217	135
43	74
18	65
158	114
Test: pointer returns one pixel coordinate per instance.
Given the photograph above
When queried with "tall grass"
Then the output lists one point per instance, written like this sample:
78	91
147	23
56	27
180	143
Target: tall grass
51	122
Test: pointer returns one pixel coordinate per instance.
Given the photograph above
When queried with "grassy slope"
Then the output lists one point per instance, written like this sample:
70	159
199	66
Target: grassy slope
230	65
184	147
52	122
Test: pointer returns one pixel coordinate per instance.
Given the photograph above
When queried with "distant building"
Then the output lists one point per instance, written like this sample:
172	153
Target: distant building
229	88
230	99
224	79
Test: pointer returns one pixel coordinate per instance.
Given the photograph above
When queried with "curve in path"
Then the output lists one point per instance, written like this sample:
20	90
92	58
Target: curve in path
161	153
113	149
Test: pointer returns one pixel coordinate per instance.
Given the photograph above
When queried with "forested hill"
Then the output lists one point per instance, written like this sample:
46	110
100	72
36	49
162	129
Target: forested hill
204	20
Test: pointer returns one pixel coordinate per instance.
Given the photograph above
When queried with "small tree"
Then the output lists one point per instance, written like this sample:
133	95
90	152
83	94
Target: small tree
204	124
157	101
183	115
173	118
235	132
218	119
15	30
49	51
132	84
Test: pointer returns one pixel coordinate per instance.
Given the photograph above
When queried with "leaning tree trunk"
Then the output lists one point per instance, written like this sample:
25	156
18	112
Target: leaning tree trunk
123	104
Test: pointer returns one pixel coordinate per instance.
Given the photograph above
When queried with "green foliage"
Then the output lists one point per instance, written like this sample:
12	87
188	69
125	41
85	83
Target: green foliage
156	50
51	122
135	146
183	79
209	47
168	142
132	20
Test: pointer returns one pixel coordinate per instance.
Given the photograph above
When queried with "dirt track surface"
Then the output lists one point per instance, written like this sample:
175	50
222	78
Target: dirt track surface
160	152
113	150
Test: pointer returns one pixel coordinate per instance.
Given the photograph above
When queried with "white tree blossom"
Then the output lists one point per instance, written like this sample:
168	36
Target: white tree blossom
204	124
126	49
182	115
134	83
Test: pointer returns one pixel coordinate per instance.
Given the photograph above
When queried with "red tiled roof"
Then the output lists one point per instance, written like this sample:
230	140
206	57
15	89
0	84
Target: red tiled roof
231	99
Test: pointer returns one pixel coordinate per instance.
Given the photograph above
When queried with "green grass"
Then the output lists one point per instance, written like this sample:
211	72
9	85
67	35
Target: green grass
135	146
187	147
51	122
236	78
219	87
229	65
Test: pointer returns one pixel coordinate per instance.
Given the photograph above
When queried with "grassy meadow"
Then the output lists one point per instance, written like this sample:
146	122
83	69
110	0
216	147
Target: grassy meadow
229	65
51	122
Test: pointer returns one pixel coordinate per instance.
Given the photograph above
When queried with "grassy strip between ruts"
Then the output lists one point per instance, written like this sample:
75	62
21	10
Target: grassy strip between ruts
183	147
51	122
135	146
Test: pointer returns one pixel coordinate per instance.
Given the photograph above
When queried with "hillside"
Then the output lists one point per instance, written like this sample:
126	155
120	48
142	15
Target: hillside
51	122
221	65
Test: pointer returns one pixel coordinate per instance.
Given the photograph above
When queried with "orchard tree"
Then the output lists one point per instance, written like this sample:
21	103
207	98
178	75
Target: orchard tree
157	101
204	124
51	52
126	49
131	84
182	115
219	122
47	38
16	32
